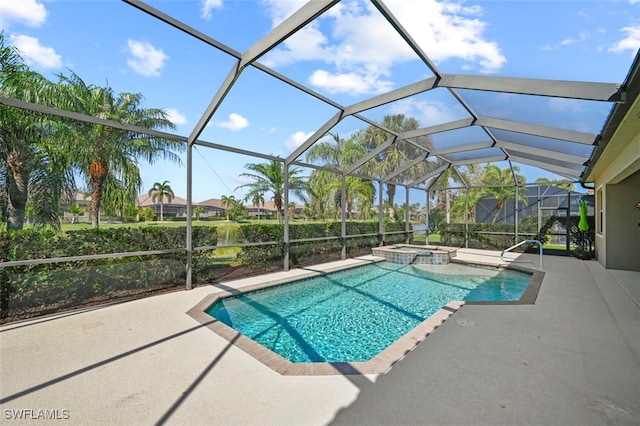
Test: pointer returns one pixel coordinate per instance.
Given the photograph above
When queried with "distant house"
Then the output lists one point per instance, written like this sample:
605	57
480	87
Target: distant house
212	207
268	209
175	209
178	207
83	201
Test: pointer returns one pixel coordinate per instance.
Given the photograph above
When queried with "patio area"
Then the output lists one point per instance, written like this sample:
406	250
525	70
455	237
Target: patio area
571	358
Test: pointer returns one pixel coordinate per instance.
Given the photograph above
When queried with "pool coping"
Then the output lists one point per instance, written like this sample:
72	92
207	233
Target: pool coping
379	364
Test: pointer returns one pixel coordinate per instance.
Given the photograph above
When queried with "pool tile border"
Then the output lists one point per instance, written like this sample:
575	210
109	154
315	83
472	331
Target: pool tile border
379	364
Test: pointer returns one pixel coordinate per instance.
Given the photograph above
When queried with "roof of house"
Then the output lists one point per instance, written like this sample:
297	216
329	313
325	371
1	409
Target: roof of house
211	202
147	200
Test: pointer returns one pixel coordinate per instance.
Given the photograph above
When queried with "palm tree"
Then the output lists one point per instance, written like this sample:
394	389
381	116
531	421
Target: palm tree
33	164
454	203
320	191
269	178
257	199
341	153
292	209
549	182
158	192
366	194
107	157
75	211
504	185
397	155
197	211
227	203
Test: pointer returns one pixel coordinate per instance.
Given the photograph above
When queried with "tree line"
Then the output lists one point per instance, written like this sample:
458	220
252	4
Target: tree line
42	155
321	191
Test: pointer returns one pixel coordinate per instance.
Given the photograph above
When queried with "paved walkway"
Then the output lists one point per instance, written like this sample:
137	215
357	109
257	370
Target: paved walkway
572	358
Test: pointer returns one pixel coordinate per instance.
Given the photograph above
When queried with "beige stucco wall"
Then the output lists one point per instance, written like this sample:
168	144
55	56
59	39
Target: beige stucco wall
623	224
617	174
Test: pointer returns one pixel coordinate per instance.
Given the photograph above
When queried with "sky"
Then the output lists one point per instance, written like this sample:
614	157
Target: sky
349	54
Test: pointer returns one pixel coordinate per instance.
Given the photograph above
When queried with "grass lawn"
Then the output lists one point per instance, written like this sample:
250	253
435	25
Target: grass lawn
433	238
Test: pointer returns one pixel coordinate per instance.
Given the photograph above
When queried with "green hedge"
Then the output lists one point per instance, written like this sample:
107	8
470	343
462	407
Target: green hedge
481	235
310	251
52	287
36	289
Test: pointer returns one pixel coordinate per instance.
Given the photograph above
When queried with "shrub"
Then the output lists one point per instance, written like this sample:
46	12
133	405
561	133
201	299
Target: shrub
37	289
481	235
310	251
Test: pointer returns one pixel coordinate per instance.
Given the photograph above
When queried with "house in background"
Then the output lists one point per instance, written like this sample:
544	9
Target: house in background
83	201
266	210
177	208
212	208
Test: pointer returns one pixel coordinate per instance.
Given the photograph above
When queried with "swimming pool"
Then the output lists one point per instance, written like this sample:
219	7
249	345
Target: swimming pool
352	315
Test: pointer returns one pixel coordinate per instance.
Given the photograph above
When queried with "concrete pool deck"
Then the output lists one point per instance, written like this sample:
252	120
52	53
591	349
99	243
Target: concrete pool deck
571	358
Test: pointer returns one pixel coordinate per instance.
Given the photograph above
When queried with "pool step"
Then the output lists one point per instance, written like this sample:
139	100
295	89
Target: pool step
419	255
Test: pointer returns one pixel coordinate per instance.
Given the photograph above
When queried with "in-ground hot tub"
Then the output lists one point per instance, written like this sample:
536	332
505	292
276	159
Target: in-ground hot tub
414	254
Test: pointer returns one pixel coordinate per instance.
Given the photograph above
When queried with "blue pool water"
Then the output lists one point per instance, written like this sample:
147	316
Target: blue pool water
352	315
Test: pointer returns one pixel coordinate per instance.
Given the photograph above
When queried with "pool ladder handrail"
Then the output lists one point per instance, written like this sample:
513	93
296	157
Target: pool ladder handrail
518	245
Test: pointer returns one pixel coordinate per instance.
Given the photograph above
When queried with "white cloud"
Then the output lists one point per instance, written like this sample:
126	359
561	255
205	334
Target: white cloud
360	42
34	53
449	31
279	10
584	15
352	82
581	37
307	44
145	59
427	113
27	12
175	116
234	123
297	139
208	6
630	43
